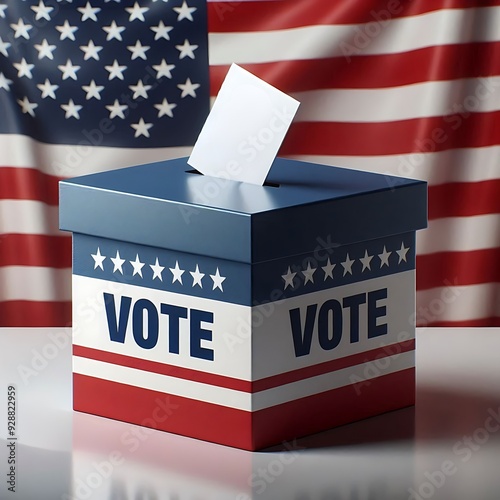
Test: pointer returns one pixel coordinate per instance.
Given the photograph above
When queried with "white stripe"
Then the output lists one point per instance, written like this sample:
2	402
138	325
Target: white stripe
398	35
453	165
241	400
458	303
35	283
28	217
459	234
72	160
335	380
400	103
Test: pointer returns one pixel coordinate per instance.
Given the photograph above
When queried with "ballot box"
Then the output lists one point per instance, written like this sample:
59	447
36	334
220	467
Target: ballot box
241	314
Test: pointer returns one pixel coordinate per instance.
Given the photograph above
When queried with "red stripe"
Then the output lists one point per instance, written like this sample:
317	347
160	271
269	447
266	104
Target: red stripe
493	321
28	184
276	15
396	137
238	384
238	428
458	268
25	313
163	369
35	250
333	365
464	199
439	63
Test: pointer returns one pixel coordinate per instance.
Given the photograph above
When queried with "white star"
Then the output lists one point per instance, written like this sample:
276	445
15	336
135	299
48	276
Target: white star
24	69
137	265
116	109
162	31
91	51
186	49
402	253
366	261
89	12
138	50
4	82
218	280
384	258
165	108
308	273
72	109
3	8
68	70
157	270
115	70
184	11
188	88
42	12
45	49
114	31
141	128
163	69
93	90
136	12
347	265
26	106
48	90
288	277
177	273
197	276
140	90
328	269
67	31
118	262
98	259
3	47
21	29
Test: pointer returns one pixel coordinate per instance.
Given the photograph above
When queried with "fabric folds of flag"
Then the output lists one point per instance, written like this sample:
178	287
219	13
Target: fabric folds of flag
84	87
409	88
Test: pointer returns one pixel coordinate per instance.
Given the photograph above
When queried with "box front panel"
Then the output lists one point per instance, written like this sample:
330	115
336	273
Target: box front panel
150	339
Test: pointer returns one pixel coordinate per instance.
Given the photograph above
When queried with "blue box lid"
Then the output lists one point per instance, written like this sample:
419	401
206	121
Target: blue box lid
168	205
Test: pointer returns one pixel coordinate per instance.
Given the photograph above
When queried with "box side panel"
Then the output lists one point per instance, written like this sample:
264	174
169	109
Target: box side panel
324	355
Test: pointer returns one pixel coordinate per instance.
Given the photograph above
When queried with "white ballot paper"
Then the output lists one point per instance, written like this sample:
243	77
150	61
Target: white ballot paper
244	130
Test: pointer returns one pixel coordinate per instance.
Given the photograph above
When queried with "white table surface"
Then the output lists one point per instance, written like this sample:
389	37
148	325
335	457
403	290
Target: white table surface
446	447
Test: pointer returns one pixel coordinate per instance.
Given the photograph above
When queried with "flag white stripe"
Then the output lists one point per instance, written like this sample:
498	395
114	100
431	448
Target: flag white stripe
460	234
458	303
237	399
404	34
399	103
480	164
28	217
43	284
69	160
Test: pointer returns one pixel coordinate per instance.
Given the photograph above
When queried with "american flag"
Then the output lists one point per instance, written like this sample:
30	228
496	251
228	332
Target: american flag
409	88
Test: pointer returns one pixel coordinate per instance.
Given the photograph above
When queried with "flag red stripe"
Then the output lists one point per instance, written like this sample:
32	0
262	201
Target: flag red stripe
237	427
18	183
226	17
24	313
461	199
458	268
35	250
451	62
493	321
435	133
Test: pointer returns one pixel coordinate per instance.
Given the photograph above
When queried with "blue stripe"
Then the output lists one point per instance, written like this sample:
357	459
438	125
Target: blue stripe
245	284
